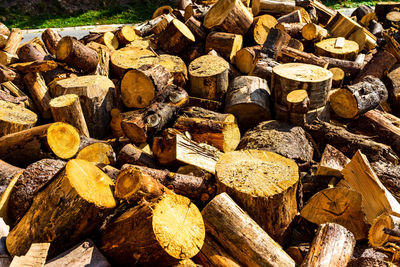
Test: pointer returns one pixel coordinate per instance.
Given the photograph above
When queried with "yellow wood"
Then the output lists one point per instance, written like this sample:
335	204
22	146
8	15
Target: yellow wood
344	103
14	118
63	140
97	153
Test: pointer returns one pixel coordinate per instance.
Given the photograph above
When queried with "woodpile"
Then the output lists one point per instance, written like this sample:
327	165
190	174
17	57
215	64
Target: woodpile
217	133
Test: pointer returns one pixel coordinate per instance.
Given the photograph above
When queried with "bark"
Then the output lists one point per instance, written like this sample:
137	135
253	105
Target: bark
226	44
14	118
51	38
131	154
13	41
380	64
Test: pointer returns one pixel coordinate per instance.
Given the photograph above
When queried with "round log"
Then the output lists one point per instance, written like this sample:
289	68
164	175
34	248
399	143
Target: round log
110	40
313	32
131	154
122	60
260	28
51	38
338	77
226	44
176	38
261	182
63	140
377	236
14	118
328	48
31	52
97	153
208	77
168	229
246	58
176	66
125	35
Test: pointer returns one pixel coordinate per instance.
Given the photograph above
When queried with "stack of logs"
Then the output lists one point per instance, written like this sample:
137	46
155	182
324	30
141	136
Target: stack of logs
218	133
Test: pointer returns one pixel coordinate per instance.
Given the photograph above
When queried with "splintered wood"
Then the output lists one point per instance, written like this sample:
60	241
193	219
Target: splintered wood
218	133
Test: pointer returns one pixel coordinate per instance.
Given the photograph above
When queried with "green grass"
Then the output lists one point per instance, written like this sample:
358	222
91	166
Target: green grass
347	4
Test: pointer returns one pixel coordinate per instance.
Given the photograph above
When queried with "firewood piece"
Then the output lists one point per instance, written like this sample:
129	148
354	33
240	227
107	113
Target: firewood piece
393	17
328	48
300	119
7	173
39	92
51	38
208	77
76	54
205	103
293	29
276	40
298	252
139	86
4	30
6	74
36	256
141	125
232	71
125	35
131	154
380	64
260	28
166	237
33	178
31	52
368	262
279	137
83	254
14	118
97	153
226	44
292	17
226	222
162	10
245	58
7	58
196	28
95	93
315	80
175	38
35	66
303	57
382	8
110	40
13	41
204	126
176	66
248	100
388	173
392	82
358	98
196	188
324	13
18	93
377	236
361	178
298	101
122	60
332	246
263	68
376	28
275	7
337	78
134	185
364	15
82	184
173	147
337	205
247	175
332	162
146	28
230	16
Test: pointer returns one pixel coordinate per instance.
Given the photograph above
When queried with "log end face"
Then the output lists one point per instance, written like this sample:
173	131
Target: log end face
376	236
344	104
63	139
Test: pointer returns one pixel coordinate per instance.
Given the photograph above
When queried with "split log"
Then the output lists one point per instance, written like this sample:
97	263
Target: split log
329	48
364	15
290	54
241	236
173	147
146	28
122	60
226	44
248	100
31	52
33	178
39	92
14	118
204	126
176	38
13	41
332	246
263	68
379	66
358	98
7	58
196	28
83	254
293	29
4	30
196	188
337	205
206	81
155	225
379	234
292	17
35	66
51	38
45	141
251	178
79	194
6	74
141	125
260	28
230	16
348	143
76	54
125	35
314	32
246	58
315	80
273	7
96	96
139	86
376	198
9	86
36	256
276	40
131	154
67	108
337	78
332	162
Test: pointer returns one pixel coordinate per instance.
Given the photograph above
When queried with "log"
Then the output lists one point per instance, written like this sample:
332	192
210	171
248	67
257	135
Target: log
76	54
146	28
276	40
4	30
282	113
98	153
14	118
293	29
376	28
292	17
176	38
205	126
67	108
251	178
275	7
248	100
376	198
337	205
125	35
206	82
45	141
314	32
232	71
298	252
173	147
162	10
387	173
260	28
315	80
33	178
382	8
176	66
356	99
337	78
392	82
364	15
328	48
31	52
246	58
79	194
36	256
13	41
377	236
379	66
296	44
7	58
110	39
139	86
295	55
34	66
226	44
51	38
122	60
95	94
155	228
263	68
298	104
332	162
9	86
131	154
39	92
84	254
196	28
7	173
6	74
333	245
229	16
240	235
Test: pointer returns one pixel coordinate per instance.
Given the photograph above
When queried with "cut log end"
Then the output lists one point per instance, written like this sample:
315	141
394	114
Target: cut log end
208	66
137	90
64	48
330	48
344	103
302	72
97	153
14	118
63	139
377	236
128	183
